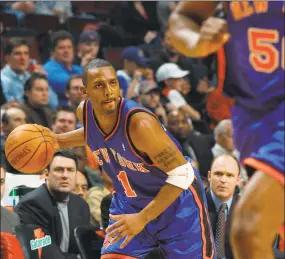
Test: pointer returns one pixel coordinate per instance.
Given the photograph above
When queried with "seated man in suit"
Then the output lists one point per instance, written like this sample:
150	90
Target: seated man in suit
54	208
9	219
224	177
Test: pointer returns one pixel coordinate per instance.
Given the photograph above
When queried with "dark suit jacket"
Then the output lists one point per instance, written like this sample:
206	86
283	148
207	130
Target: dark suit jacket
42	116
213	217
39	208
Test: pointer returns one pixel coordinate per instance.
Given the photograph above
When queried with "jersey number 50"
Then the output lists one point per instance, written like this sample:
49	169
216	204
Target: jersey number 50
264	56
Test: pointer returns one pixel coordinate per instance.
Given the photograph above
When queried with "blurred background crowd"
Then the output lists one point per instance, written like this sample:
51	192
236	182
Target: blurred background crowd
44	47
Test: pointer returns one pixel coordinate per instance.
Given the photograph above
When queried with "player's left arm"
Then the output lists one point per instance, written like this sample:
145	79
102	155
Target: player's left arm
149	137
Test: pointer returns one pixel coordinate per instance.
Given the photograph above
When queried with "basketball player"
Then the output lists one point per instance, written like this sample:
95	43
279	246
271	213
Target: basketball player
255	59
159	198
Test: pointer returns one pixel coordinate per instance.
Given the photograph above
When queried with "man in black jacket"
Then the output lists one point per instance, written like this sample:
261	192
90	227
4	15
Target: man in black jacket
55	209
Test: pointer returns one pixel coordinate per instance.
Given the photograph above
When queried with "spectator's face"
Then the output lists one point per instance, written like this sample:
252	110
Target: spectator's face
176	83
64	122
74	94
62	175
16	117
103	89
81	187
91	48
64	52
38	95
224	177
82	157
19	59
151	100
178	124
186	87
226	139
3	175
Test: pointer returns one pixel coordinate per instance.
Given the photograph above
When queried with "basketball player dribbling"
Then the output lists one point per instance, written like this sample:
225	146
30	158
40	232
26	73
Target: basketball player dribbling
159	198
255	58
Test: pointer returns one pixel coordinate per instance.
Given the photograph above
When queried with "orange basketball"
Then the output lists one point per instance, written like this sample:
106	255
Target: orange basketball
29	149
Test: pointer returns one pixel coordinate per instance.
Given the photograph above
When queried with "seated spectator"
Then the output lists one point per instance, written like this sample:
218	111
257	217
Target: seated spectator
96	194
9	219
64	120
54	208
150	98
62	9
222	197
81	186
171	79
73	91
60	66
224	139
87	47
15	73
36	100
131	75
11	119
105	210
19	8
194	144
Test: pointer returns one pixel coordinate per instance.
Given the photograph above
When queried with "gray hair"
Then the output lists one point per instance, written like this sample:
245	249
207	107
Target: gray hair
221	128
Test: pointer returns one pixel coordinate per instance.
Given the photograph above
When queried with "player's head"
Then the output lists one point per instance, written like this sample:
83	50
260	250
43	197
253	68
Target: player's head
101	86
2	179
61	176
224	176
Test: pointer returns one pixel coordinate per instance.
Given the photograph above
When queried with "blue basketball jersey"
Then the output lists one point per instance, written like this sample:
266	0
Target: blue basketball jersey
133	175
256	53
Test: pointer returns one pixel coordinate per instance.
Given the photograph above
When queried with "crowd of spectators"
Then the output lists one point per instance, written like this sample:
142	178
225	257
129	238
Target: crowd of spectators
184	93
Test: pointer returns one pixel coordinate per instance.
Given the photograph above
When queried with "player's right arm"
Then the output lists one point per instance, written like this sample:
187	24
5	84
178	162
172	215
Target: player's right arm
192	30
73	138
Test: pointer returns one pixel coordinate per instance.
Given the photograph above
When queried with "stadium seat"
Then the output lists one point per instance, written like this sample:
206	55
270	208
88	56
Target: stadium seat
10	247
76	25
42	24
89	242
113	55
9	20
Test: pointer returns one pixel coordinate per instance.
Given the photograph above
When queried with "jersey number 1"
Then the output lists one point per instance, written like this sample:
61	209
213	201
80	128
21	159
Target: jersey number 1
264	56
123	178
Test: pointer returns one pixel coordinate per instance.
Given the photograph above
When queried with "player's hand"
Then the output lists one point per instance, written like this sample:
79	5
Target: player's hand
126	225
207	39
53	138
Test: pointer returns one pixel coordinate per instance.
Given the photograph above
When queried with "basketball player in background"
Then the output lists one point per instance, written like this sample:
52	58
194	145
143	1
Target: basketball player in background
255	60
159	198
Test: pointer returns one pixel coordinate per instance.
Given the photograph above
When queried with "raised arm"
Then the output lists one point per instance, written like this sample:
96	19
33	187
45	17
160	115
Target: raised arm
192	30
149	137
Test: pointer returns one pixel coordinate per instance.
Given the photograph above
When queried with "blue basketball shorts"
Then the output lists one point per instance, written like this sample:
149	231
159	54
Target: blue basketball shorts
259	138
183	231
